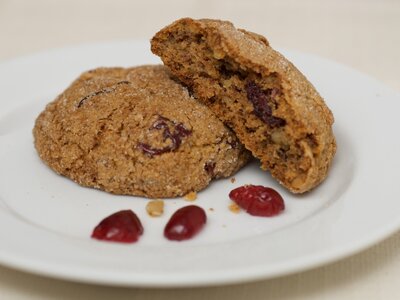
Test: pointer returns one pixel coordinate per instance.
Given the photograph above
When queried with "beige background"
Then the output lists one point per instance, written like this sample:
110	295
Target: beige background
361	34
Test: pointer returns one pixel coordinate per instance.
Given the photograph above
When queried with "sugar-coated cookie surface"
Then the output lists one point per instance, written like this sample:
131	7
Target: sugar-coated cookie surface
137	132
273	109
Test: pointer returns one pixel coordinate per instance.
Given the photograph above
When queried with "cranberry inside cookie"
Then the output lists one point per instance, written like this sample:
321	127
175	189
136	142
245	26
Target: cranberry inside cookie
135	131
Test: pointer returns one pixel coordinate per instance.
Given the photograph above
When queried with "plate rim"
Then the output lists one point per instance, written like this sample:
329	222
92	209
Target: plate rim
325	258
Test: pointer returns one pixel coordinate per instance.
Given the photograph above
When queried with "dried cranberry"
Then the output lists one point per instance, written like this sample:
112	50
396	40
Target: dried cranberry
123	226
233	143
146	148
160	123
176	137
181	131
185	223
209	167
258	200
260	100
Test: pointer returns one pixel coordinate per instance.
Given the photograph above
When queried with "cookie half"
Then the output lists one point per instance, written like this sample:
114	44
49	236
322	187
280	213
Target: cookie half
273	109
136	132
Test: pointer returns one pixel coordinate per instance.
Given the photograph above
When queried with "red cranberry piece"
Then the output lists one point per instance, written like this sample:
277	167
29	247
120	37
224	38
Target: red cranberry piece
261	103
185	223
176	137
258	200
146	148
209	167
123	226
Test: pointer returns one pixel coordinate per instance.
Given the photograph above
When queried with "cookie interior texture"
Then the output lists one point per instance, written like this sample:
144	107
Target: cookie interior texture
135	131
276	113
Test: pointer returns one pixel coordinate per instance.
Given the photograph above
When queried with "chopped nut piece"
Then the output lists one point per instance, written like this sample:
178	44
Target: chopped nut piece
190	196
155	208
233	207
233	179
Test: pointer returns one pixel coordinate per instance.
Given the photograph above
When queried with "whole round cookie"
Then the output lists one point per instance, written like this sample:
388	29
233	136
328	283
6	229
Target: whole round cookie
273	109
136	132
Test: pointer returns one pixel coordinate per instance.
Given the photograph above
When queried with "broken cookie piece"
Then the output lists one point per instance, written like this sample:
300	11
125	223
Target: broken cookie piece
270	105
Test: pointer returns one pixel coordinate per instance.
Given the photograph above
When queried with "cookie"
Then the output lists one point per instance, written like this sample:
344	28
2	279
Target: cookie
135	132
270	105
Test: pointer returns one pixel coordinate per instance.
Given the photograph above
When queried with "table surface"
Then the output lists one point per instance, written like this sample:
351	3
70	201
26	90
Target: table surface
364	34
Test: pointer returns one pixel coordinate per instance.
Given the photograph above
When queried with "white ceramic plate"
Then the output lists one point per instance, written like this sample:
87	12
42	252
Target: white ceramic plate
46	220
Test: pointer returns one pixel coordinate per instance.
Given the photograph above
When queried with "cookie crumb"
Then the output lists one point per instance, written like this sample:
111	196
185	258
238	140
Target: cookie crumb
233	179
191	196
211	209
233	207
155	208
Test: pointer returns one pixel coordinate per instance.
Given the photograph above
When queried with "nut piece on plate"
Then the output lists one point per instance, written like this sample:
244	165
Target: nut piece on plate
233	207
191	196
155	208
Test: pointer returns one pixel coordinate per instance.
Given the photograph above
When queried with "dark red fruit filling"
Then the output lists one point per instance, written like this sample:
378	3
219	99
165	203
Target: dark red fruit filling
146	148
123	226
258	200
209	167
261	102
176	136
233	143
185	223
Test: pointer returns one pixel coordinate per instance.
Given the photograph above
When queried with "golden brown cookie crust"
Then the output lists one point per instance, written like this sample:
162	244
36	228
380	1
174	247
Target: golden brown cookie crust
136	132
274	110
